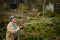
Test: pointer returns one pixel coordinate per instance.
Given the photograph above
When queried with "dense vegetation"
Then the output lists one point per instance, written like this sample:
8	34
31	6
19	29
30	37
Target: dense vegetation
40	30
36	28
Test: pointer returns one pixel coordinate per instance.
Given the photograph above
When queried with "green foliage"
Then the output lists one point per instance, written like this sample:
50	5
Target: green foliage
47	30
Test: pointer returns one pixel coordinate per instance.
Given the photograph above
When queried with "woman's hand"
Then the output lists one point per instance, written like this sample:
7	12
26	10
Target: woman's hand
21	25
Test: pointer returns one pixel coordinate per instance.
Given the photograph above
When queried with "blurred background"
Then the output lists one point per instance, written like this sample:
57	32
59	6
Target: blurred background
41	18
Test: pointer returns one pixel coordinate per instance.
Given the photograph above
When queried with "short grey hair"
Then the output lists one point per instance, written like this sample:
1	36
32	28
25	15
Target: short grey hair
11	17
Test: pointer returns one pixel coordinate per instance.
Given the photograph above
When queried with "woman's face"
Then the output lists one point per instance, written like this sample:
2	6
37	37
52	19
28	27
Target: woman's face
13	20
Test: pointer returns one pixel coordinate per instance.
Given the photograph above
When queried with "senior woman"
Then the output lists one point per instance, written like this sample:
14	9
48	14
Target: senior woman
12	29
